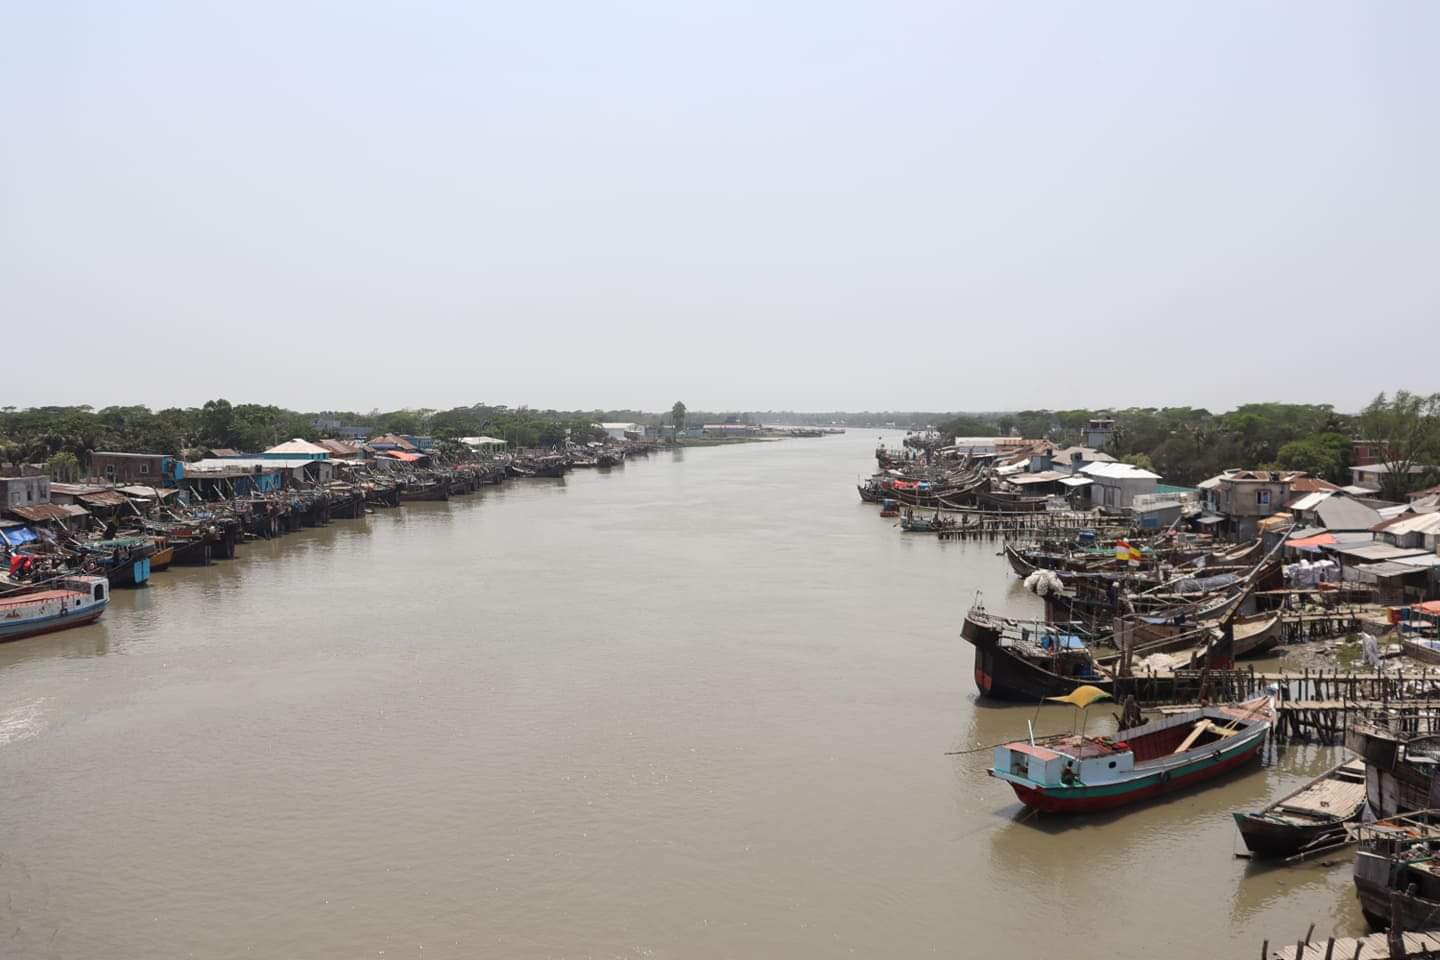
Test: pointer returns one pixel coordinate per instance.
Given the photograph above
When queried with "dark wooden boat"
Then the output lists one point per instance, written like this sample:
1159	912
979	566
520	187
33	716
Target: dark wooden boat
1397	870
1028	663
1308	818
424	490
191	551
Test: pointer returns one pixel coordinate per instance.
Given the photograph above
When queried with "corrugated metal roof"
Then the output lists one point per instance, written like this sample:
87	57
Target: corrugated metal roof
1342	513
1412	523
1118	471
75	489
1310	500
1389	569
1044	476
242	465
298	446
105	498
41	512
1376	551
148	493
1076	481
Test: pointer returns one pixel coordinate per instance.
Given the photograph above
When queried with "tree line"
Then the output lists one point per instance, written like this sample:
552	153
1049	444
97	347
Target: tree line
1188	444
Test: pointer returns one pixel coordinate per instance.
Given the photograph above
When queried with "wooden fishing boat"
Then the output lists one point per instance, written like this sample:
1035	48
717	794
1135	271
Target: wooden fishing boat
1398	855
424	490
67	602
1028	662
1073	773
1257	635
162	558
1422	649
1310	817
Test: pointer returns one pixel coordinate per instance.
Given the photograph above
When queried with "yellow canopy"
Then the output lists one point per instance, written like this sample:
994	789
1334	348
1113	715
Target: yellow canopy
1082	697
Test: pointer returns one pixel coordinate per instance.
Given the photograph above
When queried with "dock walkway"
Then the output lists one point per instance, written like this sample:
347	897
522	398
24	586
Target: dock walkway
1376	946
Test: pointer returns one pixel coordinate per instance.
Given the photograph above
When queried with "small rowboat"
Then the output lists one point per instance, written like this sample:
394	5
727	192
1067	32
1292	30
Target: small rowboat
1079	774
1256	636
1311	817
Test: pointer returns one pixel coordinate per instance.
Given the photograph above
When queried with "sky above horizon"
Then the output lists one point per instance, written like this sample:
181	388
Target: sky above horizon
837	206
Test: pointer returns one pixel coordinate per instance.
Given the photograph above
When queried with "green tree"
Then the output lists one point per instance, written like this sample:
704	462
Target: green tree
677	417
1141	460
1405	430
63	466
216	424
1323	455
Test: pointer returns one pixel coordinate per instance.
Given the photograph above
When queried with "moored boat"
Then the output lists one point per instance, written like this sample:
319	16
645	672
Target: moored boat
1256	636
1396	871
1073	773
68	602
1028	662
1310	817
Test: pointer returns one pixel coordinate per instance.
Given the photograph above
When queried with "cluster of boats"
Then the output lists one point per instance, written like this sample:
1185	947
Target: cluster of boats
57	576
1154	605
1123	609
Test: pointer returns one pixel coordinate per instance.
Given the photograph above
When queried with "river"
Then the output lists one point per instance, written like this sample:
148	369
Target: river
697	706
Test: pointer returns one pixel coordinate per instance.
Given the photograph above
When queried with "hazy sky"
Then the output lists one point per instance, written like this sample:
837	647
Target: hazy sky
899	205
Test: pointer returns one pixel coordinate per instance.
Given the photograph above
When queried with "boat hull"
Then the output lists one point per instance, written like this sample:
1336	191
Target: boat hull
50	625
1087	799
1004	675
1268	839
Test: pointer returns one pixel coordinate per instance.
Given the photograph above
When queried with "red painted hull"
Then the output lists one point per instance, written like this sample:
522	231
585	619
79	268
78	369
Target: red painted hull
1050	803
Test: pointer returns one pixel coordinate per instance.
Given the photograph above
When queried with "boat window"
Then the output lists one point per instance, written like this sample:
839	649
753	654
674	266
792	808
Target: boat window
99	591
1112	764
1018	764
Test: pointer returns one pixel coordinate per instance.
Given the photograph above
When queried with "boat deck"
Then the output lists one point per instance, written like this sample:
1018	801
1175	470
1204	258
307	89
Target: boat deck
39	597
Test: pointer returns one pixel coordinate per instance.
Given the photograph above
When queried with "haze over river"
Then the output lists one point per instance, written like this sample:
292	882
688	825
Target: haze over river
696	706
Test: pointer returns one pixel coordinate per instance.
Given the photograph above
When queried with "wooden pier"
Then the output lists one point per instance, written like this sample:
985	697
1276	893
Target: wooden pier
989	525
1376	946
1313	705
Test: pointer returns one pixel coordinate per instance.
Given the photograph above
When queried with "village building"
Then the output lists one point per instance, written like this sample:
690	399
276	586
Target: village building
1116	485
623	431
340	450
1374	475
24	491
486	445
391	441
1333	512
730	430
1241	499
151	468
1098	432
297	449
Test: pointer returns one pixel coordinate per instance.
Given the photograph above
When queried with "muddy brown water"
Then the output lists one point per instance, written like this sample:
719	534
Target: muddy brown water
696	706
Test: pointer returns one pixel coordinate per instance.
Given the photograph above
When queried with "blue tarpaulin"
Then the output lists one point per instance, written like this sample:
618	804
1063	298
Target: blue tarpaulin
18	535
1066	642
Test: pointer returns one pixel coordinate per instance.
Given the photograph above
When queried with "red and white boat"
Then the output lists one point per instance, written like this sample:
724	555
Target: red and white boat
1078	774
62	603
